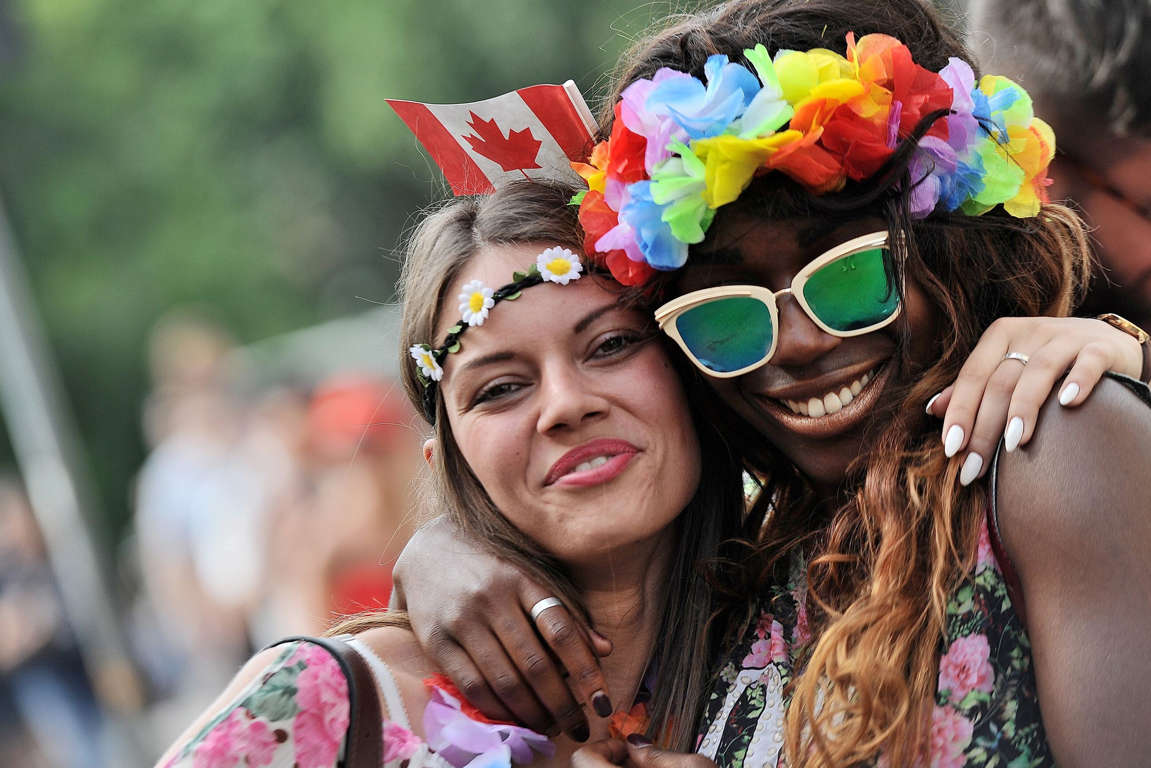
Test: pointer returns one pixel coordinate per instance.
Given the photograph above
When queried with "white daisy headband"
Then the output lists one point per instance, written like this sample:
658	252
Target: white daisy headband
553	265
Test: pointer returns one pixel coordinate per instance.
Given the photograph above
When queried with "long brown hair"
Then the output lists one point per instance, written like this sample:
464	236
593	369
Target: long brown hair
884	562
442	245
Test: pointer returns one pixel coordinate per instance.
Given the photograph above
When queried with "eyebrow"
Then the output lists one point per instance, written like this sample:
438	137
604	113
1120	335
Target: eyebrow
580	327
495	357
594	315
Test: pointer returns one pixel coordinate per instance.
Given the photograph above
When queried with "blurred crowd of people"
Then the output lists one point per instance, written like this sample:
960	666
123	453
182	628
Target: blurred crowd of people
259	513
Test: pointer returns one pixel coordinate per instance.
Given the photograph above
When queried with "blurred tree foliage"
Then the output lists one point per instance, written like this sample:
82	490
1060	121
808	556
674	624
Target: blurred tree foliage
239	156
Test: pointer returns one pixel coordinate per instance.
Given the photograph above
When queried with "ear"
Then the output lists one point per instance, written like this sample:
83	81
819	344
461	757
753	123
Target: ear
429	450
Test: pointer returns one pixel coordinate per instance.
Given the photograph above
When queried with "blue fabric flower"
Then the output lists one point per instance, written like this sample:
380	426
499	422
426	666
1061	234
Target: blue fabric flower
644	216
704	111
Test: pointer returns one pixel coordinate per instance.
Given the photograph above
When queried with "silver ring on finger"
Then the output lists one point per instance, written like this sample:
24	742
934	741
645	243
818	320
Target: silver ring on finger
543	605
1019	356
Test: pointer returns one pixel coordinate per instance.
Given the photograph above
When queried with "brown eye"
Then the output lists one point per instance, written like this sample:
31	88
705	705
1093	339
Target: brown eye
496	391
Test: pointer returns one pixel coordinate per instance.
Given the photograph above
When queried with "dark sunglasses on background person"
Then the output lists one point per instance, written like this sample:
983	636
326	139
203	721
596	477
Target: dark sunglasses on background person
730	330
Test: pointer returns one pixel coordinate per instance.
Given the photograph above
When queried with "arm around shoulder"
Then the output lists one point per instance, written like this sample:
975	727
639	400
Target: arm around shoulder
1074	509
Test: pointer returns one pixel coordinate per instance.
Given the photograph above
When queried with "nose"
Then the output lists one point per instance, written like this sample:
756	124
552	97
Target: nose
801	341
567	399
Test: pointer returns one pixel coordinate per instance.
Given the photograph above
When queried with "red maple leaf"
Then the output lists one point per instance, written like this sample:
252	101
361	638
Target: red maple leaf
514	153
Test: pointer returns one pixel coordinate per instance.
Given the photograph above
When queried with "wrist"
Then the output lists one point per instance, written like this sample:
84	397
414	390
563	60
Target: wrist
1141	337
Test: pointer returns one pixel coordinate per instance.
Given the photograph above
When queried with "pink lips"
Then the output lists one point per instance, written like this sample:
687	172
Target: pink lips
619	453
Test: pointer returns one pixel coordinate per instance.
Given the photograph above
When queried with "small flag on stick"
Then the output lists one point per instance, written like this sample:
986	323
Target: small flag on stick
530	133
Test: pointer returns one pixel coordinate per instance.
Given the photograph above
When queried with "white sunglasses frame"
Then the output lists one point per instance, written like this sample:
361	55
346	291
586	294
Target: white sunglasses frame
666	315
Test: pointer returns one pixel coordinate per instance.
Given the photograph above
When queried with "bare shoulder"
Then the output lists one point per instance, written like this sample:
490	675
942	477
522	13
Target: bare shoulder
1074	515
398	648
1084	479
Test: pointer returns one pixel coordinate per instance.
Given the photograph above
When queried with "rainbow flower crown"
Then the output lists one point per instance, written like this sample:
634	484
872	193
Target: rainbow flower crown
680	148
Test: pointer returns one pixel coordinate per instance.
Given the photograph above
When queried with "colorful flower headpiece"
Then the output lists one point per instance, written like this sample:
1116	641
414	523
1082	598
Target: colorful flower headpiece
553	265
680	147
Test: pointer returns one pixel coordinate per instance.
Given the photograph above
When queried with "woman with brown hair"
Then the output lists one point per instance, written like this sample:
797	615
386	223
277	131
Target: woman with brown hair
895	572
553	404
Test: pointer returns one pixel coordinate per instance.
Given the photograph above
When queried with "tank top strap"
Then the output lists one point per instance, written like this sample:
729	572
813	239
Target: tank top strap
1006	565
385	681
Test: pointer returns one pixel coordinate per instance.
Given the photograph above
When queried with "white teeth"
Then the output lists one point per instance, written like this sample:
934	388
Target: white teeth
584	466
832	402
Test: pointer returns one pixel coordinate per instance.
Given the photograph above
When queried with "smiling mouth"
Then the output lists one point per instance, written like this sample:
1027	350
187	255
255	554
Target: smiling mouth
831	402
841	407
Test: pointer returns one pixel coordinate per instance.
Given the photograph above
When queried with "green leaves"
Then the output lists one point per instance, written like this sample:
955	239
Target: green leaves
276	699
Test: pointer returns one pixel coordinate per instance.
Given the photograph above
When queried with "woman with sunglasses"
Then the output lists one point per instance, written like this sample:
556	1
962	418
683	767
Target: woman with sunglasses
895	624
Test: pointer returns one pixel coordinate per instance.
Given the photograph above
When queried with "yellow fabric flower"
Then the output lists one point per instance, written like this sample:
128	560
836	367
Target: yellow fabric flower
730	162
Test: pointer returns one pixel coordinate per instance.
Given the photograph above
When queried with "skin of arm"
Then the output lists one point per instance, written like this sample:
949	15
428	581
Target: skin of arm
1073	514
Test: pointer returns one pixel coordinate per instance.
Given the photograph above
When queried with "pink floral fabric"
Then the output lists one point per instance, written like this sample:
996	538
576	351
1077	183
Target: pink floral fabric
986	708
295	714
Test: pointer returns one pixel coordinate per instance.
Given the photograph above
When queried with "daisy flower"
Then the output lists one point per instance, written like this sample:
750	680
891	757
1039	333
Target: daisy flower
559	265
422	354
475	301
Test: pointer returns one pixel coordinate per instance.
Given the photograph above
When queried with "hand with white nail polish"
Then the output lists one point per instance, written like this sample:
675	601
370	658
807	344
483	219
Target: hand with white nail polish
953	440
1069	393
1013	434
971	466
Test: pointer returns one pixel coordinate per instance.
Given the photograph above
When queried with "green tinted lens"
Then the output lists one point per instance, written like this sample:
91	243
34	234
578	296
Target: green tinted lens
727	334
852	292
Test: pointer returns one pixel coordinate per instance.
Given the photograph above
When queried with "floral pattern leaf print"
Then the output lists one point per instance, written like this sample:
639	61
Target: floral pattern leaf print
294	714
986	712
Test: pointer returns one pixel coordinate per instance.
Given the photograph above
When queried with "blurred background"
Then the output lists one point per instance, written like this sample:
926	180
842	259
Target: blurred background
202	445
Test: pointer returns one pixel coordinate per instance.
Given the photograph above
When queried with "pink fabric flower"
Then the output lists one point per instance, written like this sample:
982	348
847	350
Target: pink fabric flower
802	633
950	736
759	656
399	742
260	744
322	695
770	647
236	739
778	647
986	555
966	667
220	747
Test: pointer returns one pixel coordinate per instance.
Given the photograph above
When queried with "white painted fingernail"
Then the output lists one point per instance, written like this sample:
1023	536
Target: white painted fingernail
971	466
1013	434
931	402
953	441
1069	393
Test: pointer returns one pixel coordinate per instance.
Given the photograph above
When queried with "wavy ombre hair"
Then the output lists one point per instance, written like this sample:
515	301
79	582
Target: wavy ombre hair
883	564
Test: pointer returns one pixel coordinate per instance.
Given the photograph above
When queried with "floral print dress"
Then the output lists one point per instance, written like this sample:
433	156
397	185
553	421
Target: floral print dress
986	705
295	714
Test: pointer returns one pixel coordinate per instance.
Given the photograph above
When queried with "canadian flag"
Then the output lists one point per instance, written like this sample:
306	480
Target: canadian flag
533	132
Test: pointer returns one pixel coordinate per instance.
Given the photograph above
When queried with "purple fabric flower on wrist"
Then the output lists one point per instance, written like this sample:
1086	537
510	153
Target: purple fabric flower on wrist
465	742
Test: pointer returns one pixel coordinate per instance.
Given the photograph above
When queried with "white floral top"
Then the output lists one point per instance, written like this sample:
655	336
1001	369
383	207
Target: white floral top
295	713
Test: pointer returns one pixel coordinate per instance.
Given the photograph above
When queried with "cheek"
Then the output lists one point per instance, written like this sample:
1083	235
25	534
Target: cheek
923	322
496	453
662	403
